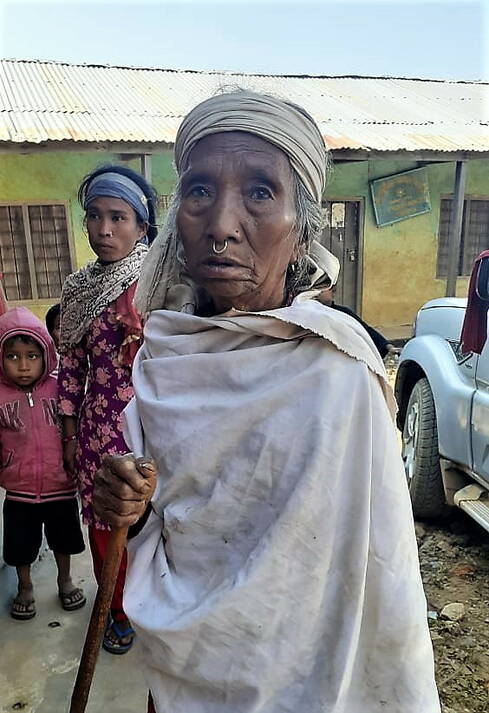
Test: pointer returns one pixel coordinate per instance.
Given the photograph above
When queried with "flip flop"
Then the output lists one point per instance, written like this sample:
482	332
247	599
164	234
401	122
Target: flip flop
28	610
72	600
113	647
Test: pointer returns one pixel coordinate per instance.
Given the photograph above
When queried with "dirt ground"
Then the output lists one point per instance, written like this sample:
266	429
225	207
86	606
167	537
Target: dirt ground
454	559
455	568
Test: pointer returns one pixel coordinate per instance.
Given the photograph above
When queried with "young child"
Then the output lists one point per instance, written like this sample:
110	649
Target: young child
52	323
39	492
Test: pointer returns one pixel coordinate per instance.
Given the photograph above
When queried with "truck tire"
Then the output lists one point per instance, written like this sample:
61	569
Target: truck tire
420	453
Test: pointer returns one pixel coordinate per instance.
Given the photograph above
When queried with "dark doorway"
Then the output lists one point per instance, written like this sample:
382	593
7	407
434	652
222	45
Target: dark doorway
341	236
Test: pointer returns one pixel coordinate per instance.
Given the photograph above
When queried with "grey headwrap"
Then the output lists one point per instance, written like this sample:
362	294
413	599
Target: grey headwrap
283	124
163	282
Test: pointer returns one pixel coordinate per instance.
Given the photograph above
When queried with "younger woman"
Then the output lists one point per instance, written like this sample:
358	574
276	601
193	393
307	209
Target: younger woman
100	334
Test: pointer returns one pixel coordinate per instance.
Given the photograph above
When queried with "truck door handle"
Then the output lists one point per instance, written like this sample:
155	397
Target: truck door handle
351	254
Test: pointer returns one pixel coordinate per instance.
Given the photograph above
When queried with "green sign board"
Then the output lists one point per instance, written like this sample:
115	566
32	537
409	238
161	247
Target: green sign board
402	196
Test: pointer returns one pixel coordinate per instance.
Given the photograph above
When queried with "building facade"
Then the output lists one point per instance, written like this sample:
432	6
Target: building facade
388	271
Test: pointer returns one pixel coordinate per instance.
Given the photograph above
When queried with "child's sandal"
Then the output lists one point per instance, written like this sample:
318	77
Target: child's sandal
70	601
23	610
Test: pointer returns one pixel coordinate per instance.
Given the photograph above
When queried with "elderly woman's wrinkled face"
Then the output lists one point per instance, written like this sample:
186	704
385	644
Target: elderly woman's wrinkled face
235	220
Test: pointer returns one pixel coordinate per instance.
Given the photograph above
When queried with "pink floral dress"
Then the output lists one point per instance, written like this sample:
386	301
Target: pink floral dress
95	387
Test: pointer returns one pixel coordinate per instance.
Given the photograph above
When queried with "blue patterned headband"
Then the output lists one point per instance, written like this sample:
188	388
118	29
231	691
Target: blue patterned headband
114	185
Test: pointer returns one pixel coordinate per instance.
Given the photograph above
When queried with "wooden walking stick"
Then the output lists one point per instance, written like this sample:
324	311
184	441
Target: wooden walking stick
98	619
101	606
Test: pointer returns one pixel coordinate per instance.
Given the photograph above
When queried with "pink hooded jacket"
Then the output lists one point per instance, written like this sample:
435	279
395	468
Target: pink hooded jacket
31	456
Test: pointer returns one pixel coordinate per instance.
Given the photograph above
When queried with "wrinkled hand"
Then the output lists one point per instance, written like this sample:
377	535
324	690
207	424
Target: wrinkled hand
123	488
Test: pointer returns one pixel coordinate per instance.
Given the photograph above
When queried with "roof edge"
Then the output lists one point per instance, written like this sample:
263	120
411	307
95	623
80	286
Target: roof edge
233	73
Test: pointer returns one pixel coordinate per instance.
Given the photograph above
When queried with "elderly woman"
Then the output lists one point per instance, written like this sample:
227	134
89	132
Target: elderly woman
275	569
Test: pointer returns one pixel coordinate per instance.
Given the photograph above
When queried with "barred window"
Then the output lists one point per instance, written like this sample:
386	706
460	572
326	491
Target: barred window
34	251
475	234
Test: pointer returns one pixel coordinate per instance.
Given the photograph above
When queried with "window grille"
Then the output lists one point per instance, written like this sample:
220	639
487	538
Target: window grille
34	251
475	234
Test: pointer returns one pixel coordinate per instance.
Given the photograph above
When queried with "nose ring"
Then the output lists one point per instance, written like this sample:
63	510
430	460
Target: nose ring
220	250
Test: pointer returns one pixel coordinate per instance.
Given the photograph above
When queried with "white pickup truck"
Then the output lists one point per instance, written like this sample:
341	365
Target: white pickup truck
443	397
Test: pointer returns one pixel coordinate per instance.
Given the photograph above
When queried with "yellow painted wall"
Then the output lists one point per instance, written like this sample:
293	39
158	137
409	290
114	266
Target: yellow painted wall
399	261
55	176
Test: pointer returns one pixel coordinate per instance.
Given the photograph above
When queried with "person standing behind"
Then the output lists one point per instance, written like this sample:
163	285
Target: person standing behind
100	334
39	491
52	319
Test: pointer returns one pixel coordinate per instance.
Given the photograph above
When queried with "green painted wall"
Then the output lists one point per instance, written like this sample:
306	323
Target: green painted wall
399	261
52	175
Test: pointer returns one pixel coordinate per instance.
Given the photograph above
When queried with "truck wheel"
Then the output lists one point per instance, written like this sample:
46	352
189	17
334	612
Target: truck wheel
420	453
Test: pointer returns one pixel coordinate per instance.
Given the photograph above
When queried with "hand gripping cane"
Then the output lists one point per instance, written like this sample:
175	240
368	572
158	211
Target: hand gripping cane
101	605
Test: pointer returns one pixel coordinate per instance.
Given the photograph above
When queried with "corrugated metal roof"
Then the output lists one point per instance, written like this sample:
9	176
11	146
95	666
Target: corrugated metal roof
50	101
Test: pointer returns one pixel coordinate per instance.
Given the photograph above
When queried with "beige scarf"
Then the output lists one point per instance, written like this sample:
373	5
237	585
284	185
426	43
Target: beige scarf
89	291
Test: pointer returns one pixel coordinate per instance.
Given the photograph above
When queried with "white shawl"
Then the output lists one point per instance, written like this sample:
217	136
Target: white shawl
285	577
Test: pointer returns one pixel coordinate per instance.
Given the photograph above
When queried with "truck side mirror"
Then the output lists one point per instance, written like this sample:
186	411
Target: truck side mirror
482	284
